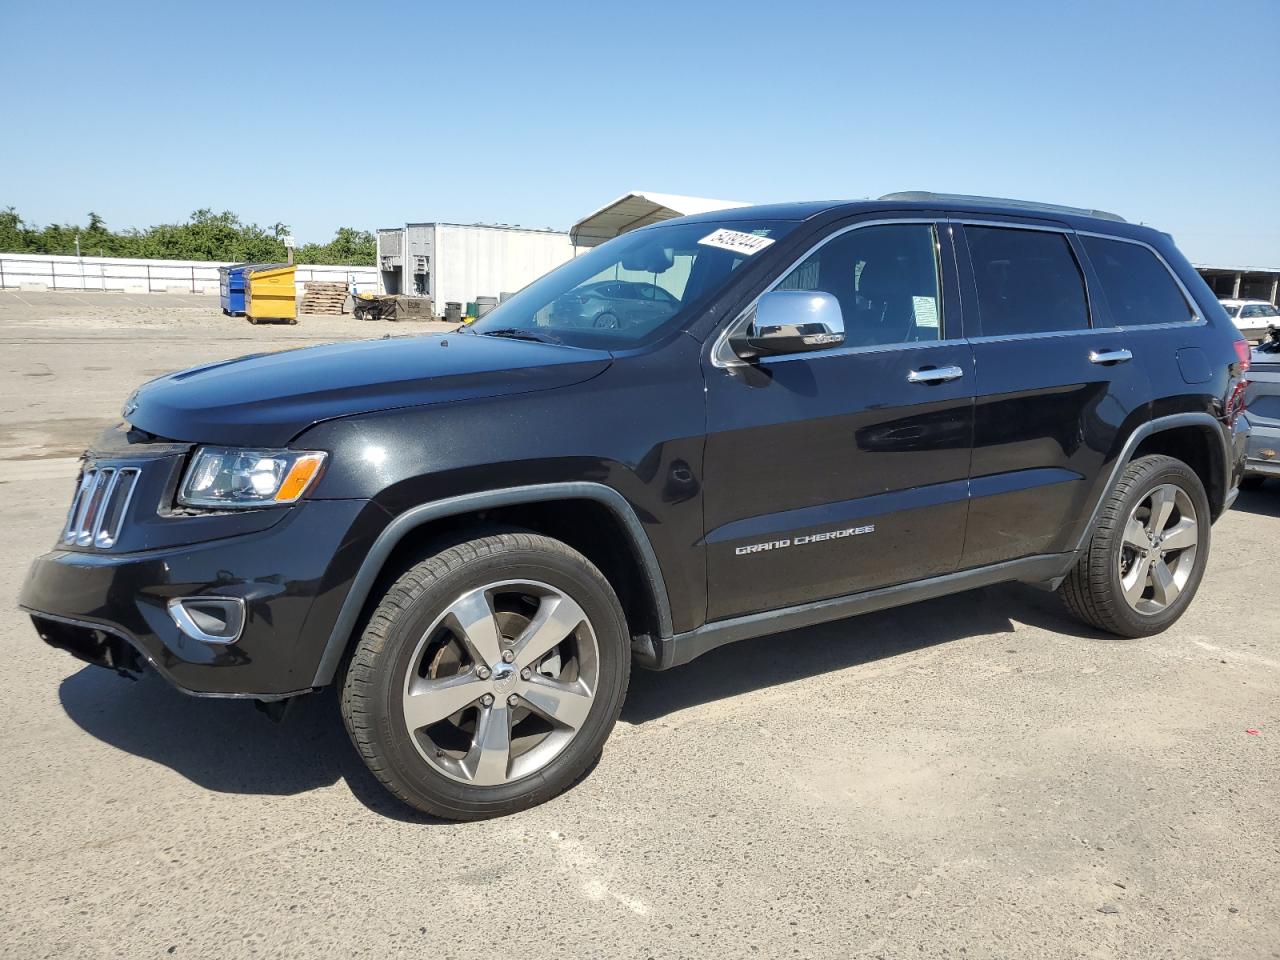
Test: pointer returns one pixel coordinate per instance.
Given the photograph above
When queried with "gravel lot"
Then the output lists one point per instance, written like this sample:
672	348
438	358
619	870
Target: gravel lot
976	776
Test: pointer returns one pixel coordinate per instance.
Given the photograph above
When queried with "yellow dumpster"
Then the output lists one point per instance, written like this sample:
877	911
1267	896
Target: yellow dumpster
270	293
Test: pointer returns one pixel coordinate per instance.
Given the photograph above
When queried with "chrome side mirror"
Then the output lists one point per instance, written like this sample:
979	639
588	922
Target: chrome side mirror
791	321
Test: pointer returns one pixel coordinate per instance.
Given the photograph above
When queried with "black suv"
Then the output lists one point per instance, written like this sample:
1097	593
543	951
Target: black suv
850	406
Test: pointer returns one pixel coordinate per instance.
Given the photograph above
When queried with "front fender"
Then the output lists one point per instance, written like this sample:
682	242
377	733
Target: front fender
411	519
638	430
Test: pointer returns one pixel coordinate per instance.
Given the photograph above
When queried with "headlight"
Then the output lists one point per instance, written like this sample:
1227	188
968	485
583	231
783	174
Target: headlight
227	478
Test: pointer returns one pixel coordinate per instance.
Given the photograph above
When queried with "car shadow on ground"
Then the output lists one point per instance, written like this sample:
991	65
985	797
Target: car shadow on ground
230	747
749	665
1265	501
227	745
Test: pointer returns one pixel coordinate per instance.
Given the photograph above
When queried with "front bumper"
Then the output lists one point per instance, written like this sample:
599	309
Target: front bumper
111	608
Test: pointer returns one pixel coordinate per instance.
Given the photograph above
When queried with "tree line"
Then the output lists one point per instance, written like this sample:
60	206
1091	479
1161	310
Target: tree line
204	236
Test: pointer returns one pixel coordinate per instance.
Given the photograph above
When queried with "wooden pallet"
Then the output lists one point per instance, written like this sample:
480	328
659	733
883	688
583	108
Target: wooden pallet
323	297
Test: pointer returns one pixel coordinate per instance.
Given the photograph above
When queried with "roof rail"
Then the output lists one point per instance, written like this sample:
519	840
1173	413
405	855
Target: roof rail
926	196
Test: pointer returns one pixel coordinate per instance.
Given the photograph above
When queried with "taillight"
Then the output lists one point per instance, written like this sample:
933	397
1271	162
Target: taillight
1242	354
1236	401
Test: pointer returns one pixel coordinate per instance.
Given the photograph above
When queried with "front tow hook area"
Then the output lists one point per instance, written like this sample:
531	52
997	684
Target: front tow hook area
85	642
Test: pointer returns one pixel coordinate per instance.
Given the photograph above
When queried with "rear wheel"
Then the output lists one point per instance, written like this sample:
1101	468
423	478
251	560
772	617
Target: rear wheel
489	676
1147	554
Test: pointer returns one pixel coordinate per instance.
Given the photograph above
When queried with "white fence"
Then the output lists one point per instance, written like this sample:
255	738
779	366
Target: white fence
35	272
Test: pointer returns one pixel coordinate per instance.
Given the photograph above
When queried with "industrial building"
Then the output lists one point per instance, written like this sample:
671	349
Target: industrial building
463	263
475	263
639	209
1242	283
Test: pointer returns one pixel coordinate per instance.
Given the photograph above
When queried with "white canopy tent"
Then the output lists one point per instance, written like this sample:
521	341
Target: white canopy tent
639	209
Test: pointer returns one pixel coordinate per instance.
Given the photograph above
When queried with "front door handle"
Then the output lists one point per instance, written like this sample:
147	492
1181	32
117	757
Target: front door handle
1110	356
934	375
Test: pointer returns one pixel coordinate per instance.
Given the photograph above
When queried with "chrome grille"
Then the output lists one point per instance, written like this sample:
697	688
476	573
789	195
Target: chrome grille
98	509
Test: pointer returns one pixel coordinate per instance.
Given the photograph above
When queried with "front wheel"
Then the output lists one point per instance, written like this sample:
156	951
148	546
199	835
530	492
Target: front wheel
489	676
1147	553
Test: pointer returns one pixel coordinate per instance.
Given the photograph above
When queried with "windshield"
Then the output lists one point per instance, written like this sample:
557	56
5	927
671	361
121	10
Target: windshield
634	288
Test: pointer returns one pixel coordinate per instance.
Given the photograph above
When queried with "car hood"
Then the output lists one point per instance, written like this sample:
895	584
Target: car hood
268	399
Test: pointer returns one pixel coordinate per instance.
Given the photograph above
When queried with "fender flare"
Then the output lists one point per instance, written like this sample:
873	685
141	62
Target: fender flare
415	517
1140	433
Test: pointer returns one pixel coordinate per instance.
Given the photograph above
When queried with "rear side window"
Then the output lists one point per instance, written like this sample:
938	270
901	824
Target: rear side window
1138	288
1028	282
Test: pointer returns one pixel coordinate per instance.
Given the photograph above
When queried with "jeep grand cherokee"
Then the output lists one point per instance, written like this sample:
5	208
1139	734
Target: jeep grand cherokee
848	406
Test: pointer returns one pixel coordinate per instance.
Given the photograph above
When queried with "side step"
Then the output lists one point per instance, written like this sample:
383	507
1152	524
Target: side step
666	652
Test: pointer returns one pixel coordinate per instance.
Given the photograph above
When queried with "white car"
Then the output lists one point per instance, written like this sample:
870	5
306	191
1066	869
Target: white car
1252	317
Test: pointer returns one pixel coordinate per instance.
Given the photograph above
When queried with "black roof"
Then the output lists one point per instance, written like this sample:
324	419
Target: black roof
1077	217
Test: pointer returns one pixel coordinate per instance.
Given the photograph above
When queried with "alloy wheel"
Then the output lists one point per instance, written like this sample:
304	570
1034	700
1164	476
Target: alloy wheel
1158	552
501	682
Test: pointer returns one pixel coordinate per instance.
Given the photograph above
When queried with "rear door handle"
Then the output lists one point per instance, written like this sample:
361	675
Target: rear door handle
1110	356
935	375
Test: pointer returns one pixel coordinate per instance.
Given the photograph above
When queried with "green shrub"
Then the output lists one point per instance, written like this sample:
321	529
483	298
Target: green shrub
204	236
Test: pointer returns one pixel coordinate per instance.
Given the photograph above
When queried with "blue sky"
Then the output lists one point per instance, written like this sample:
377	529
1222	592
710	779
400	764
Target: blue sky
322	115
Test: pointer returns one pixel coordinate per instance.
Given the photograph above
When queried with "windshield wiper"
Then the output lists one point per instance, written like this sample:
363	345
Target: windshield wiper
517	333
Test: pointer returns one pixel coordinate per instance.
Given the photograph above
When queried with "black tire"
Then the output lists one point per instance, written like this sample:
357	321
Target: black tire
1253	482
1092	591
374	682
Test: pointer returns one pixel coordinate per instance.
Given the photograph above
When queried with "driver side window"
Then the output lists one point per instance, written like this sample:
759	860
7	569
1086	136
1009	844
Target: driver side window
887	281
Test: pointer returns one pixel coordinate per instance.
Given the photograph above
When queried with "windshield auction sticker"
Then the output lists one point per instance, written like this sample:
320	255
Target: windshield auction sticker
736	241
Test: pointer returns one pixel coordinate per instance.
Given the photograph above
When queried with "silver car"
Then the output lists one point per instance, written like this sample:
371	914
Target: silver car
1262	400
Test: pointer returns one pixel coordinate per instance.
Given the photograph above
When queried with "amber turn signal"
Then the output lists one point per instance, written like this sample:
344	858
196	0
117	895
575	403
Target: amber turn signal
304	470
